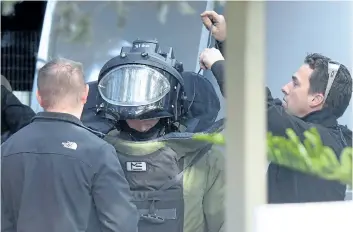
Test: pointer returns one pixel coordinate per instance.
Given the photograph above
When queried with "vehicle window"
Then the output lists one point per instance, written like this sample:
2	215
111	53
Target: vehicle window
182	32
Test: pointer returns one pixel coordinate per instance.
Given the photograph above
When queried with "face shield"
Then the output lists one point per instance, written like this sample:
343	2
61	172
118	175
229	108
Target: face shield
134	85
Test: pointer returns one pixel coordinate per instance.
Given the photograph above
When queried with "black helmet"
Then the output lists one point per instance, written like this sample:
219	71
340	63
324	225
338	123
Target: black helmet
142	83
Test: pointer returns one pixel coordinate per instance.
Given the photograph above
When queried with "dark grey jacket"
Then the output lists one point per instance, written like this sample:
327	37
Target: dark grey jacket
58	176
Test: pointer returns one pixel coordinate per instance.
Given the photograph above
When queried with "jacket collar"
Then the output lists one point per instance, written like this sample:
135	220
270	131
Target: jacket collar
323	117
55	116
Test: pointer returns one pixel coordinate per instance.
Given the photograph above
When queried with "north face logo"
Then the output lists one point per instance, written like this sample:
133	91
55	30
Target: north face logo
70	145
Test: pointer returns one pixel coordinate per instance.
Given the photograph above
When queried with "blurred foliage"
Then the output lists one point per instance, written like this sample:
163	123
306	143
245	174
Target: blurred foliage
309	156
8	7
75	25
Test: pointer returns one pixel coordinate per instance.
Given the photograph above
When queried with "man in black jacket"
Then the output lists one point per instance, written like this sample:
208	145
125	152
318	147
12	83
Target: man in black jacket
317	95
56	174
14	114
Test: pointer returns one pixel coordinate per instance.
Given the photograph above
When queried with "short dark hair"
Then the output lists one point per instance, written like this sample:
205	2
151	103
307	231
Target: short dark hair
60	79
341	91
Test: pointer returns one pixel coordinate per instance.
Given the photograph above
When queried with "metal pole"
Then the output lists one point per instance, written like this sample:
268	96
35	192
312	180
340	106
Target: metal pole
349	192
204	35
246	120
43	49
350	197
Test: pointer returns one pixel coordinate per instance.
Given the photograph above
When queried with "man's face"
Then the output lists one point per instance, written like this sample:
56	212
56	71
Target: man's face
297	99
142	125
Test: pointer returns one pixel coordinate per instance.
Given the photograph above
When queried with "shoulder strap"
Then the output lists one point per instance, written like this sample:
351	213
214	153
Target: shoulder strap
178	177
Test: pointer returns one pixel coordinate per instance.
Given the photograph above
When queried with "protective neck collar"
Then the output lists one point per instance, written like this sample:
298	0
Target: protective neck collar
134	135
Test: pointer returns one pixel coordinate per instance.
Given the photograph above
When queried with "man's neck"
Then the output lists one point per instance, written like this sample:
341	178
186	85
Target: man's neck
323	117
76	113
311	111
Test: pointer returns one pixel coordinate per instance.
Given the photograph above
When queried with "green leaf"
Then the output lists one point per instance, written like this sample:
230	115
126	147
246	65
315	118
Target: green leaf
82	33
215	138
8	7
309	156
221	3
75	24
163	9
121	12
185	8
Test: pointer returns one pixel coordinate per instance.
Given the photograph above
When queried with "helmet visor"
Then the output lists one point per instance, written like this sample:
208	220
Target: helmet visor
133	85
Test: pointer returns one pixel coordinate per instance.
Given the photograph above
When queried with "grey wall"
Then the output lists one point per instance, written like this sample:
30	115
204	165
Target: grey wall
297	28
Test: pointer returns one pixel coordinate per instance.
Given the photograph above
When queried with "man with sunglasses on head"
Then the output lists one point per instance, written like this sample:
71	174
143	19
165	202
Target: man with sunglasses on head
317	95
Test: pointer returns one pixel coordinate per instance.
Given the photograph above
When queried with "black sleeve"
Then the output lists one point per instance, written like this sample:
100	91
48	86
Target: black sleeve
218	71
218	68
220	46
112	196
278	120
15	114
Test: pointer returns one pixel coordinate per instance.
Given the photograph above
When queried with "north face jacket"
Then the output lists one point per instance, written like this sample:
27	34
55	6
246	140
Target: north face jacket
57	176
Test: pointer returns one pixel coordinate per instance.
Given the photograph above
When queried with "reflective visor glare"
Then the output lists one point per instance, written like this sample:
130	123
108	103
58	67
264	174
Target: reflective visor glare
133	85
